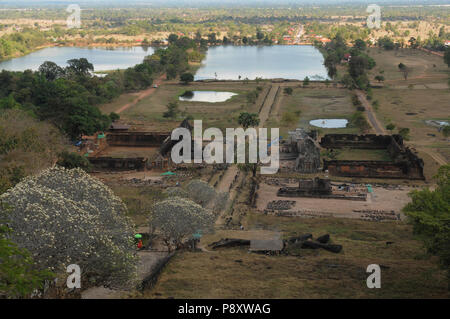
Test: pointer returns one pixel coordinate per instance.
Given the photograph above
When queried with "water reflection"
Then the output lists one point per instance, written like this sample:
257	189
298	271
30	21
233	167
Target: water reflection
329	123
206	96
102	58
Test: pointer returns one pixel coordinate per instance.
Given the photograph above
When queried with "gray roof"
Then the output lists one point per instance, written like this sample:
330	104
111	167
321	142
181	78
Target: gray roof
266	245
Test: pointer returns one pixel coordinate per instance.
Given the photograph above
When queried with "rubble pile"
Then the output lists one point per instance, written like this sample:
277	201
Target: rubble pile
280	205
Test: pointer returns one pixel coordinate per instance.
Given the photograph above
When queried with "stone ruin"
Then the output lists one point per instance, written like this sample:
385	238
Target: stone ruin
318	188
303	147
404	163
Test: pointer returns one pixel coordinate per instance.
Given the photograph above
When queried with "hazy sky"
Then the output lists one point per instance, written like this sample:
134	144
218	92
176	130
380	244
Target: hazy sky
124	3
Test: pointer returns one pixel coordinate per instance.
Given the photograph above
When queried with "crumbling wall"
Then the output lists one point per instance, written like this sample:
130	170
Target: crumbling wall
131	139
110	163
405	163
374	169
368	141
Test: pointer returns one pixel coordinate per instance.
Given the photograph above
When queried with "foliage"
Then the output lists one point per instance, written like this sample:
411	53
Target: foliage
288	90
19	275
186	77
172	110
379	78
74	160
67	217
429	212
404	132
26	146
114	116
247	120
446	130
176	192
178	218
306	81
200	192
390	127
359	120
447	57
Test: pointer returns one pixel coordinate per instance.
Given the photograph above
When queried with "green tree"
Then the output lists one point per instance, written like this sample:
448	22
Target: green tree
390	127
51	71
404	132
73	160
172	110
379	78
80	67
247	120
19	276
360	44
288	90
306	81
446	130
114	116
187	77
447	57
429	213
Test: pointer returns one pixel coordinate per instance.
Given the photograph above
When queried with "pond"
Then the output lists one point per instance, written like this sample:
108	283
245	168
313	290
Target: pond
329	123
102	58
206	96
269	62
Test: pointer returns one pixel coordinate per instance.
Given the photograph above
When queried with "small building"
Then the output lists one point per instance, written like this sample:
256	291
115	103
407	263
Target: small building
119	127
266	246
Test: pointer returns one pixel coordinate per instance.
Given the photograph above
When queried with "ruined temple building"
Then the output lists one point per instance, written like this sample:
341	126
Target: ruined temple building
303	147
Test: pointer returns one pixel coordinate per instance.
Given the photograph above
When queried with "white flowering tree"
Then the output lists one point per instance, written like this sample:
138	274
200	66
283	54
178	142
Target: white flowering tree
178	218
200	192
67	217
176	192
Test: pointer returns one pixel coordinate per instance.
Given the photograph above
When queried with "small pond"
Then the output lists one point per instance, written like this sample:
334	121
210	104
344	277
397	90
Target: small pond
329	123
206	96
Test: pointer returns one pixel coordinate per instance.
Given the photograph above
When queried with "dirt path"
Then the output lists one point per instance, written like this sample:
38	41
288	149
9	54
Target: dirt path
232	171
142	94
227	179
437	157
266	108
373	121
379	129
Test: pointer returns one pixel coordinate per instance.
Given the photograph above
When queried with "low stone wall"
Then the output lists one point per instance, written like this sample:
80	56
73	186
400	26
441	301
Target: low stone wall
405	164
368	141
374	169
113	163
132	139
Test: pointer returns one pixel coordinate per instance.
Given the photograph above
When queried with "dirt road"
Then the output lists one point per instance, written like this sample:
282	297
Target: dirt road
373	121
266	108
379	129
230	175
142	94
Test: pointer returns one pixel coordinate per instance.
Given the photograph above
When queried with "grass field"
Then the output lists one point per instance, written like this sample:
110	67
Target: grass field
361	154
223	114
424	67
407	272
306	104
408	104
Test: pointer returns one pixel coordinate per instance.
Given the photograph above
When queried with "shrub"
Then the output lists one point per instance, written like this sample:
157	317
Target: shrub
73	160
178	218
67	217
200	192
288	90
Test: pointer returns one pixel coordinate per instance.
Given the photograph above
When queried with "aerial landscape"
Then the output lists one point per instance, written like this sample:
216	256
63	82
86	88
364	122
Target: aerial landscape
224	150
